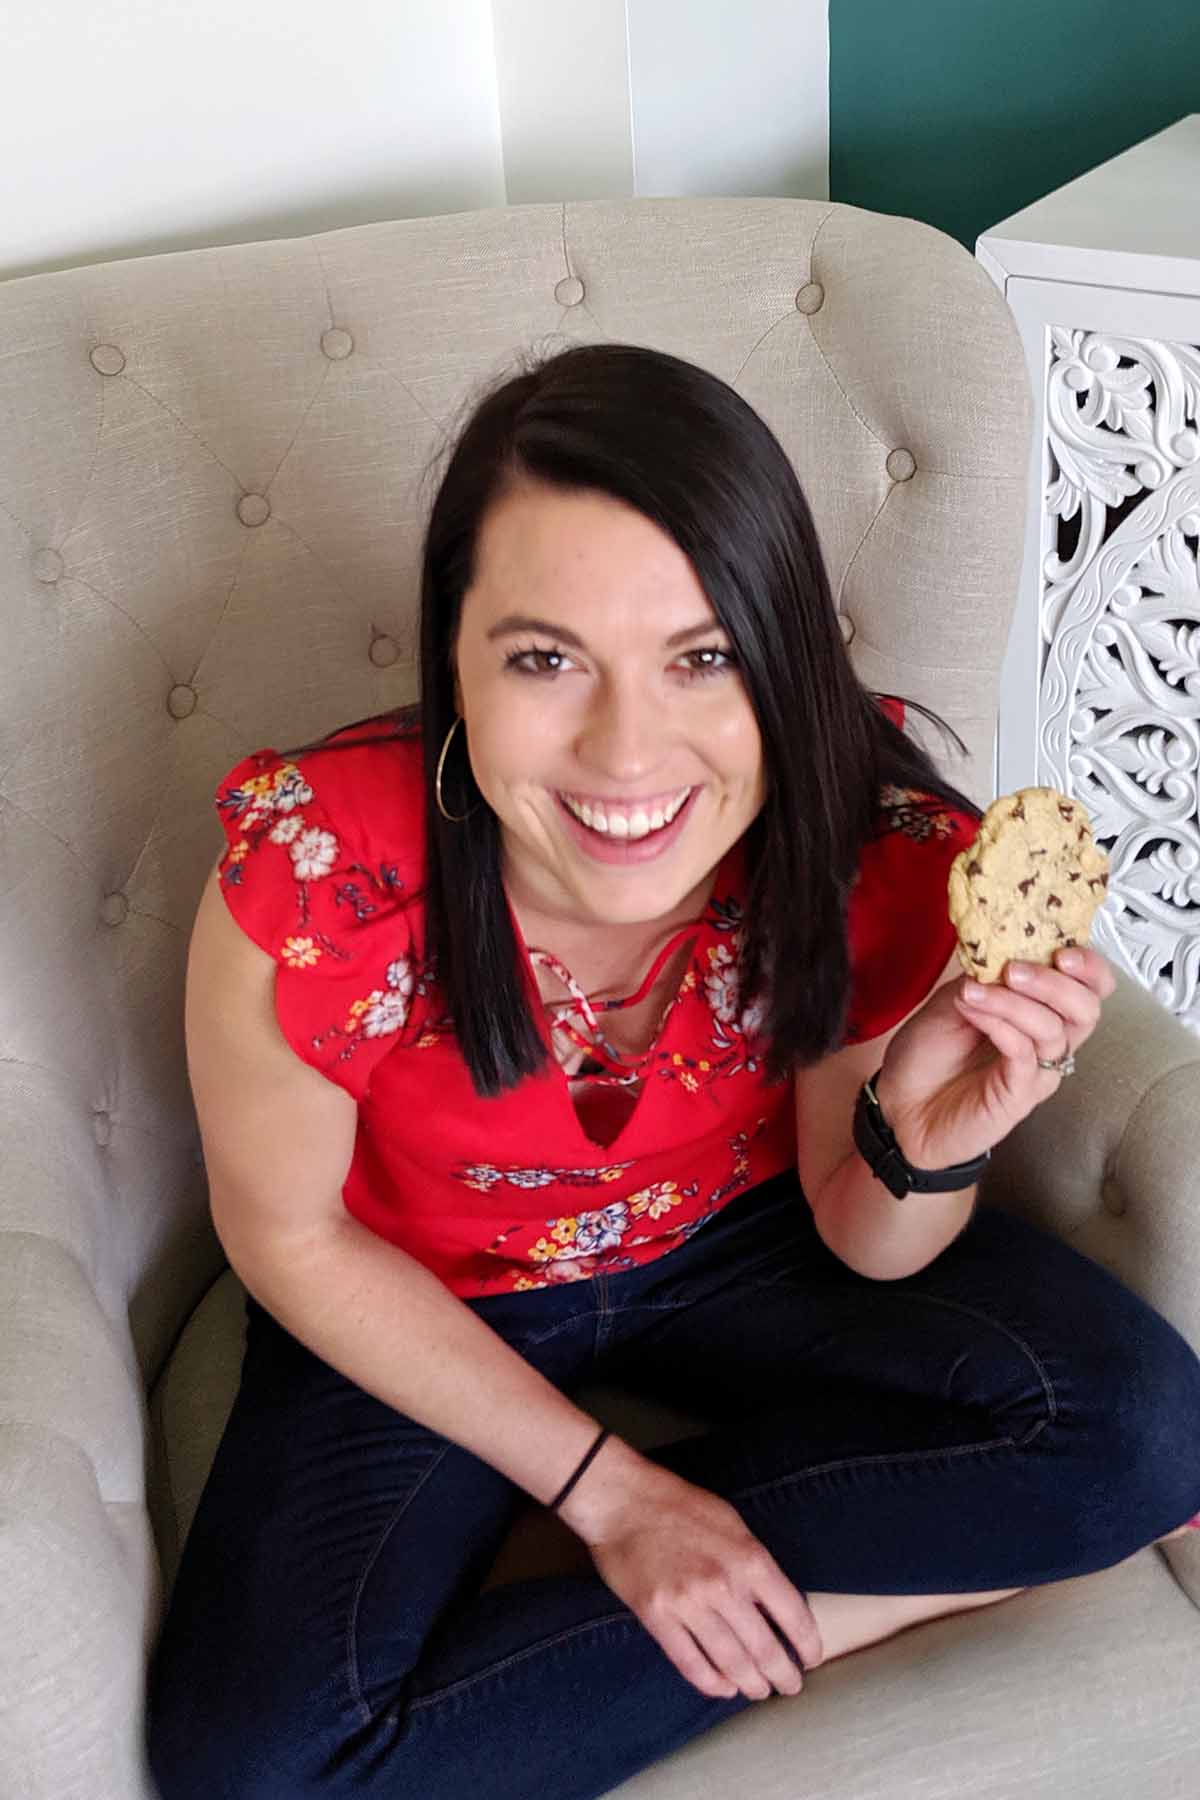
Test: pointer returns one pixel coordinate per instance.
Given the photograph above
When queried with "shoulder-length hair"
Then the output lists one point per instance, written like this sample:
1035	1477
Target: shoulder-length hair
689	453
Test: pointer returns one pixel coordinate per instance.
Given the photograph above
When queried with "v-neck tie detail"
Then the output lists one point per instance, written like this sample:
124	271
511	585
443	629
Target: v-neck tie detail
623	1070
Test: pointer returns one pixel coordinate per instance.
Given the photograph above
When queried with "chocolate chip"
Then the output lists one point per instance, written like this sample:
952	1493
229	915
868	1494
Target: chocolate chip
1027	883
1029	931
1037	853
1073	875
1068	940
1053	900
1067	811
1018	811
975	868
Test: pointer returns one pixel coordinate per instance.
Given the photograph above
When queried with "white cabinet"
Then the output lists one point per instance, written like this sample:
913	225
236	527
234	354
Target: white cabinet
1100	694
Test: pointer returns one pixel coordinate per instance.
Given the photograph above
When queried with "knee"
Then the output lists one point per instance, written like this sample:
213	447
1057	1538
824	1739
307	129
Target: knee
1148	1422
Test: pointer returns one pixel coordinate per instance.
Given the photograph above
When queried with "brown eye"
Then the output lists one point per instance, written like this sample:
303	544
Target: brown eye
706	666
539	657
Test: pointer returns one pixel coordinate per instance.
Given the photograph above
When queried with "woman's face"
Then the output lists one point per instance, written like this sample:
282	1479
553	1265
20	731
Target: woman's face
592	673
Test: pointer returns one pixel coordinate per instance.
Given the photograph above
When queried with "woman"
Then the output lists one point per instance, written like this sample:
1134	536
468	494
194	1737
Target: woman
527	1042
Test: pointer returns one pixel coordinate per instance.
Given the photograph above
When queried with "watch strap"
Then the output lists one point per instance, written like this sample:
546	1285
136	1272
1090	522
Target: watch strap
876	1143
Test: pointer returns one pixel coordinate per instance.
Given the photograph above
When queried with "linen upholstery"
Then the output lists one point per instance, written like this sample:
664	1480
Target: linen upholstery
213	471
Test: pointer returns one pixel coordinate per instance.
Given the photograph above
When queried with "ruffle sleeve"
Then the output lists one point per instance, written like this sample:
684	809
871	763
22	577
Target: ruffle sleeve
900	932
308	884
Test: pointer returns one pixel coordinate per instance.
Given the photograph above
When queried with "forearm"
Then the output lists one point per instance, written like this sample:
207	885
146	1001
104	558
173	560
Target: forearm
388	1324
877	1235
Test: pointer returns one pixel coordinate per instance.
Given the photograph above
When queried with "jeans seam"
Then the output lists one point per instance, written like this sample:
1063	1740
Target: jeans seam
507	1662
900	1456
735	1275
1007	1331
649	1306
352	1669
543	1337
908	1456
1014	1337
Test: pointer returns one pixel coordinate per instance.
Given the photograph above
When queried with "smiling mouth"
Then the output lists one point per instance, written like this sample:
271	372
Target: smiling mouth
628	825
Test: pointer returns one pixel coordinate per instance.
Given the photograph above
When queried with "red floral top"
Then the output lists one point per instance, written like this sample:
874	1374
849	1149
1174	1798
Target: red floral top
323	866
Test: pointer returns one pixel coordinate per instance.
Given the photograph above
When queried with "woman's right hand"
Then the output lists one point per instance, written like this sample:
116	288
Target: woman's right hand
684	1561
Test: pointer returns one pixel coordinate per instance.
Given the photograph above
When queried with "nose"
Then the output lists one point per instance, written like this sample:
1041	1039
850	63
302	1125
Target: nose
624	735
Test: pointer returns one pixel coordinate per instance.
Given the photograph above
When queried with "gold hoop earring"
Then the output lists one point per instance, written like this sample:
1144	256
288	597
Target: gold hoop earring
454	818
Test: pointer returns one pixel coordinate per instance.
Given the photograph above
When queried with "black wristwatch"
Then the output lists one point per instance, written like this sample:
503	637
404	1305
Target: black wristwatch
876	1141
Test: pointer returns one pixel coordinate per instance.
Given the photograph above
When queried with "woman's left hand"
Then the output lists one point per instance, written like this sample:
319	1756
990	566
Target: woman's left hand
960	1074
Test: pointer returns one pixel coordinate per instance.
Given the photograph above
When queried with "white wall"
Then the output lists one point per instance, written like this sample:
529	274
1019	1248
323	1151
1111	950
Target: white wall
562	74
730	96
130	127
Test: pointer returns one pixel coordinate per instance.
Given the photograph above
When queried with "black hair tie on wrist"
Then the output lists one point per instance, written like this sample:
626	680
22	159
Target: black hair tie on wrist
563	1492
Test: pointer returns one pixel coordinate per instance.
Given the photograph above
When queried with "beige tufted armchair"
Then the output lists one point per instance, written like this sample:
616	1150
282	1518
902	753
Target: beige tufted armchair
210	513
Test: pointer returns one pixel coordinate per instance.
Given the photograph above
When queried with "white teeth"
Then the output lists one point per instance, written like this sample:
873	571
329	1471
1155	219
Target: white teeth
638	824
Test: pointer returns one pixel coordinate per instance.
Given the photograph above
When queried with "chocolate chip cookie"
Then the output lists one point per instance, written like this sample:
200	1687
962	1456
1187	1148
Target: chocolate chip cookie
1029	884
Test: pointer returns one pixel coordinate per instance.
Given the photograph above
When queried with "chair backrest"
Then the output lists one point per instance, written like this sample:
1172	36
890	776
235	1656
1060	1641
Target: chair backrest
210	520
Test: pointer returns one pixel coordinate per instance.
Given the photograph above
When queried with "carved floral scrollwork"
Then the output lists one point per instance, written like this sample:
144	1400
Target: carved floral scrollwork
1119	702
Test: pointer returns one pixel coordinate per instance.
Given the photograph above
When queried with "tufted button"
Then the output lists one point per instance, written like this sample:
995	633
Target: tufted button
336	343
1113	1199
48	565
253	509
101	1126
114	909
847	627
811	297
384	651
181	701
106	359
901	465
569	291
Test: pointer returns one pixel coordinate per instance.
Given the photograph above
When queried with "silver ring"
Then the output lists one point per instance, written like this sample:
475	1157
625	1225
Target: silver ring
1064	1066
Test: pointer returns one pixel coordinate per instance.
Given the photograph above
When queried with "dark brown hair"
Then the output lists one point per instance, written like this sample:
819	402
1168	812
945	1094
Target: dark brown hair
690	454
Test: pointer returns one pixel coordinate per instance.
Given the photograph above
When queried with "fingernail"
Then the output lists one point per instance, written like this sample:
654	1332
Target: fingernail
1070	959
972	991
1019	972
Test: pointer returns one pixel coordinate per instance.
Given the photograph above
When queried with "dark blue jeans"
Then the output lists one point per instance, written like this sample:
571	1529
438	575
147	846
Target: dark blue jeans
1012	1414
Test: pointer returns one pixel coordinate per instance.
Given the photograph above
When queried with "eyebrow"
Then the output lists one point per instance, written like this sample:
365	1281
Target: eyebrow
514	622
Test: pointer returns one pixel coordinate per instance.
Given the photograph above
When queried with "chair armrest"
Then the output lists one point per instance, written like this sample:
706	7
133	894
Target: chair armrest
78	1570
1110	1161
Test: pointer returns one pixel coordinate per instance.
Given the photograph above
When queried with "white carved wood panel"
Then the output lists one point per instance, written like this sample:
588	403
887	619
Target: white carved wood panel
1102	686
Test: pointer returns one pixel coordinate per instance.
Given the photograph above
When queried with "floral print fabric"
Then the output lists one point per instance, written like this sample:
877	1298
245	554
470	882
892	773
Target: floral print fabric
323	869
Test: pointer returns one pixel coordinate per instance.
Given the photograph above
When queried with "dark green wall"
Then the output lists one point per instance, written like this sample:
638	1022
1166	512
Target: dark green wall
960	111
